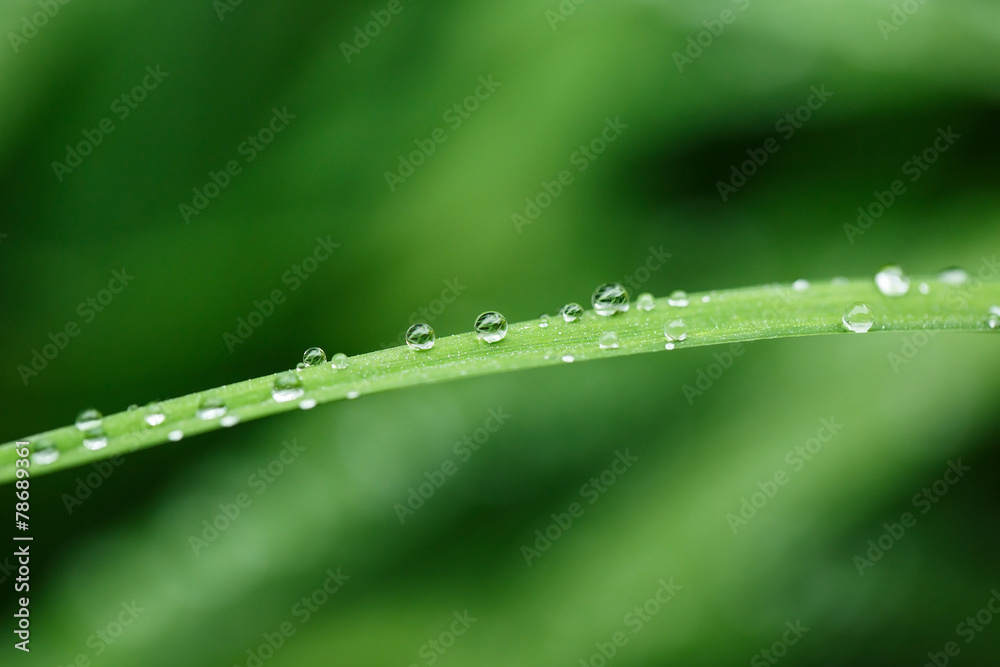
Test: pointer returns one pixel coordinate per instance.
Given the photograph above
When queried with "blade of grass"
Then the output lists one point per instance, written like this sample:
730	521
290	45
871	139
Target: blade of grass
712	318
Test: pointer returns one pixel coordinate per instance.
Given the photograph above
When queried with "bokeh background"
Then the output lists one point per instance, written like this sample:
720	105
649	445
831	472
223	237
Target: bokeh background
654	189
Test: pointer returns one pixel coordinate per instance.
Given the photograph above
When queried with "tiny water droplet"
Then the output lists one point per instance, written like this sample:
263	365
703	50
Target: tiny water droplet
800	285
706	299
175	435
154	414
543	321
300	366
839	280
953	276
610	299
420	336
675	330
44	453
858	317
352	394
287	387
891	281
95	439
571	312
339	361
669	346
89	419
568	358
678	299
491	326
314	356
645	301
229	420
608	340
924	288
210	408
307	404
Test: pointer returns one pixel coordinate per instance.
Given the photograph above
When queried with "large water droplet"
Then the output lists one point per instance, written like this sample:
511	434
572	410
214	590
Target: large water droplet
675	330
993	321
645	301
154	414
608	340
95	439
210	408
800	285
287	387
175	435
339	361
609	299
420	336
44	453
89	419
314	356
678	299
858	317
571	312
953	276
891	281
491	326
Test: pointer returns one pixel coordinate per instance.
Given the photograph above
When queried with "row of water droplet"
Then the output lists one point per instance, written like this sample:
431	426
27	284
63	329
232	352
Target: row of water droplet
607	300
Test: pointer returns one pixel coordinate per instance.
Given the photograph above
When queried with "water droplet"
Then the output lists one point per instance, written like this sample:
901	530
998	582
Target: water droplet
154	414
993	322
44	453
571	312
229	420
568	358
669	346
89	419
210	408
608	340
420	336
839	280
287	387
858	318
800	285
953	276
308	404
352	394
645	302
891	281
95	439
339	361
300	366
706	299
675	330
176	435
543	321
609	299
678	299
314	356
491	326
924	288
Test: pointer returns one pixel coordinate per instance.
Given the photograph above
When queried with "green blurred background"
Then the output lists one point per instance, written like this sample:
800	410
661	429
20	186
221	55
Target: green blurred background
654	187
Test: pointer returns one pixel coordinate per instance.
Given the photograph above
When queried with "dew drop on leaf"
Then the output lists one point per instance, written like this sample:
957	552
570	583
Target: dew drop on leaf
287	387
891	281
420	336
314	356
571	312
608	340
675	330
858	317
491	326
